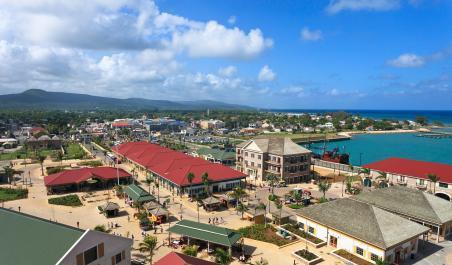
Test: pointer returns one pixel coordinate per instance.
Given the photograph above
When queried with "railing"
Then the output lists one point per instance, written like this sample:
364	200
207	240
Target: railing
336	166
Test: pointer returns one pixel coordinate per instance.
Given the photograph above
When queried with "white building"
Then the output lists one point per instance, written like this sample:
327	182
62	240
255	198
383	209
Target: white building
363	230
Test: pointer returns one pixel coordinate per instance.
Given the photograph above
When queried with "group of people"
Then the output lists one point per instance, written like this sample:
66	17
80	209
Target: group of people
215	220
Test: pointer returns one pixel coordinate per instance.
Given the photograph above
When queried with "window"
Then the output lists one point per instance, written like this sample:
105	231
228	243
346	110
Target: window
311	229
90	255
118	258
259	157
359	251
374	257
443	185
252	155
421	182
259	165
246	153
301	226
252	164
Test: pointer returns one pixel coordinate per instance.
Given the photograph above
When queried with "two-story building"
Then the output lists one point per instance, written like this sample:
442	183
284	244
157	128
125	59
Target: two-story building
278	156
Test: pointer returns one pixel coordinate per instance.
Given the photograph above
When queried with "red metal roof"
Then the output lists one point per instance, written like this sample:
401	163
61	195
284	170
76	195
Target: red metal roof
75	176
174	165
174	258
413	168
121	124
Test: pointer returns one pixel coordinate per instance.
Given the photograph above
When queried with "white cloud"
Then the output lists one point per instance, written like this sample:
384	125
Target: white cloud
407	60
336	6
122	25
311	35
232	20
297	91
266	74
228	71
215	40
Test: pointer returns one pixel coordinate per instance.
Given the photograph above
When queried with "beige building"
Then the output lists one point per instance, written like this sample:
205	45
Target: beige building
364	231
278	156
211	124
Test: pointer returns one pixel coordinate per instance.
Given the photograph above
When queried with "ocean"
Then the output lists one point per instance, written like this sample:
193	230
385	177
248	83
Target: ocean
367	148
444	116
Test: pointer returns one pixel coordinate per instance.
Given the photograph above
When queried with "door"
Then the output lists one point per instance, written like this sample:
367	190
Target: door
397	257
333	241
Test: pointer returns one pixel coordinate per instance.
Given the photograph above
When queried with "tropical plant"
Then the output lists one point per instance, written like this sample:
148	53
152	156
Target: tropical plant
206	182
9	173
433	178
191	250
238	193
41	159
262	206
272	180
383	176
222	256
364	171
279	206
101	228
190	178
242	208
381	262
148	245
324	187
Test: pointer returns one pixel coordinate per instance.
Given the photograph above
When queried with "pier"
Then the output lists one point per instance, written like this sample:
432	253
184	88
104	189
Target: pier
319	139
436	135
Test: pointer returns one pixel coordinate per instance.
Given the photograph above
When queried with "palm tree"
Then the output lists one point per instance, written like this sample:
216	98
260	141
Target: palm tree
348	184
324	187
41	159
242	208
9	173
272	179
238	193
261	262
190	178
279	206
158	191
351	167
222	256
148	245
60	157
365	171
205	181
433	178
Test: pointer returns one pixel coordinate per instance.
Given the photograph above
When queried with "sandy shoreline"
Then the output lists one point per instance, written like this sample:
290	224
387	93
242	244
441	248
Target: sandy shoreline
349	134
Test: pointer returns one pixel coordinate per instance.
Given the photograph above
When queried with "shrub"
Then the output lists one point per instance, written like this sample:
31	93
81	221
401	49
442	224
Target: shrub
272	197
8	194
54	170
191	250
101	228
262	233
68	200
296	206
94	163
322	200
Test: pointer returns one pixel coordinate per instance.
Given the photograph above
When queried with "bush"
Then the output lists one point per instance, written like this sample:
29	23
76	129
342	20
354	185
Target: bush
323	200
94	163
68	200
272	197
265	234
296	206
7	194
191	250
54	170
101	228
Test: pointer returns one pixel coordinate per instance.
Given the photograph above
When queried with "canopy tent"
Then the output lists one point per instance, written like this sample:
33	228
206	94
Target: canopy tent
109	209
211	203
159	215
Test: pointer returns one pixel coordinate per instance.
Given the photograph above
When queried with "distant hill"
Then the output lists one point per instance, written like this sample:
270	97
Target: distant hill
41	99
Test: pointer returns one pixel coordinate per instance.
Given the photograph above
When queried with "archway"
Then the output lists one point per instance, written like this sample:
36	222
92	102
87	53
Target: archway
443	195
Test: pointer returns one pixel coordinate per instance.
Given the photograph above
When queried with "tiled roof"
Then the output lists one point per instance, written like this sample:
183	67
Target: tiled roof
365	222
75	176
174	165
413	168
174	258
409	202
277	146
138	194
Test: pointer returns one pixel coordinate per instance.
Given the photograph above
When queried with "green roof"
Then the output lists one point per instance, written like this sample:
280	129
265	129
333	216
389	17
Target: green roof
210	233
138	194
216	153
26	239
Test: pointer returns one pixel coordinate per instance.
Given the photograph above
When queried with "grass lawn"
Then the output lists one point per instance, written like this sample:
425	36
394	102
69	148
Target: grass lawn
68	200
7	194
74	151
21	154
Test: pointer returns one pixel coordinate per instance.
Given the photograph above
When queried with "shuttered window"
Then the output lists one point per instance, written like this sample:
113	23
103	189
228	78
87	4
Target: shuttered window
79	259
100	250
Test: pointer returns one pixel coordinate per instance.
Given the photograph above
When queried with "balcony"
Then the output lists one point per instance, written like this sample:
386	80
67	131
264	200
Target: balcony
274	162
402	182
421	187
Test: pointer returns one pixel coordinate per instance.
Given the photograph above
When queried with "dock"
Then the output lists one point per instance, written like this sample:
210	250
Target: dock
319	139
436	135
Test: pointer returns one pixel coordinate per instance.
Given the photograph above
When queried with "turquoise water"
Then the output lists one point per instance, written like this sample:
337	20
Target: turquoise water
366	148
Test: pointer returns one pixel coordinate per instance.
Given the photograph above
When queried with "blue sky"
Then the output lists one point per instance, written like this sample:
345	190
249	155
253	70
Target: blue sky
346	54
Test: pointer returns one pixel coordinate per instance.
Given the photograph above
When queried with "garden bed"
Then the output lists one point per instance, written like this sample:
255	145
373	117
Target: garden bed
350	258
307	257
265	234
68	200
91	163
293	229
7	194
